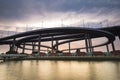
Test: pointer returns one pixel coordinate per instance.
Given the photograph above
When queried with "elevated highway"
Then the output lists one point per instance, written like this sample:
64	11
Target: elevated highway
67	34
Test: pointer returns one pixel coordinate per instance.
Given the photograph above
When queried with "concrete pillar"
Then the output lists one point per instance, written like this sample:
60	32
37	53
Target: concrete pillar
107	48
69	46
86	43
89	41
13	45
10	49
33	47
113	47
52	43
57	44
92	49
16	49
119	37
89	45
39	43
23	51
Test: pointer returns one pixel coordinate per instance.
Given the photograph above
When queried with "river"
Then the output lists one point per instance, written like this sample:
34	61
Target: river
60	70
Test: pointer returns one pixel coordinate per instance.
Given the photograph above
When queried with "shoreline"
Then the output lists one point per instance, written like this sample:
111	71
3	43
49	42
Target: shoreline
80	58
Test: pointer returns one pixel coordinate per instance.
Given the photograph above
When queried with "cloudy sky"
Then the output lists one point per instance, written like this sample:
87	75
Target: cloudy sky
52	13
55	13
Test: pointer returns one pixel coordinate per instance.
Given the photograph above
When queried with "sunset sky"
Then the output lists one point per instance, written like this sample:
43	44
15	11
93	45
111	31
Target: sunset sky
56	13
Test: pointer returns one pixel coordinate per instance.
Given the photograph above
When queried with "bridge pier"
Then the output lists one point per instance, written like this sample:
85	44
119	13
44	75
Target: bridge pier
33	47
16	49
88	43
10	45
13	44
113	46
119	37
23	51
107	48
52	42
13	47
57	44
92	48
69	47
39	43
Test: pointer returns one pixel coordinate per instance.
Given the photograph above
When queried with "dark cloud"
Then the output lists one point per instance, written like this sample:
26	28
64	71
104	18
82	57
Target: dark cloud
77	5
12	10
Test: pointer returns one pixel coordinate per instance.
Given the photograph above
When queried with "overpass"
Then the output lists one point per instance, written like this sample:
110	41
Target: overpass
66	34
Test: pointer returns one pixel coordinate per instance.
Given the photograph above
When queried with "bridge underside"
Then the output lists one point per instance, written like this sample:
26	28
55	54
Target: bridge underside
59	36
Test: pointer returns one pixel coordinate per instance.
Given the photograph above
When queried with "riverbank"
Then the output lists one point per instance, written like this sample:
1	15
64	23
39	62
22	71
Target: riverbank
87	58
83	58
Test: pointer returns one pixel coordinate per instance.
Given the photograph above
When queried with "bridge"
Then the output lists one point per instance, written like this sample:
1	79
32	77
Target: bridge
61	35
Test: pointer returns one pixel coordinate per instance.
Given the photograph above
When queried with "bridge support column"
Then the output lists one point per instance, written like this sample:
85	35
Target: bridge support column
92	49
113	46
57	44
107	48
23	51
119	37
86	43
52	42
90	45
10	49
39	43
16	49
13	45
33	47
69	47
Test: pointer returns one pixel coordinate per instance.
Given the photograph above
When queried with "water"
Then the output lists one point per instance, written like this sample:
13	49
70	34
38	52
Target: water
60	70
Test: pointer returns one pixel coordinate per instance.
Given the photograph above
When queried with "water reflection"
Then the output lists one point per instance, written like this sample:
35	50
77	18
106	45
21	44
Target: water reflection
59	70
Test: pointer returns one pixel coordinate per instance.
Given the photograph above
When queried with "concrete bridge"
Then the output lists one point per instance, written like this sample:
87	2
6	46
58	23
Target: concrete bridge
66	34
